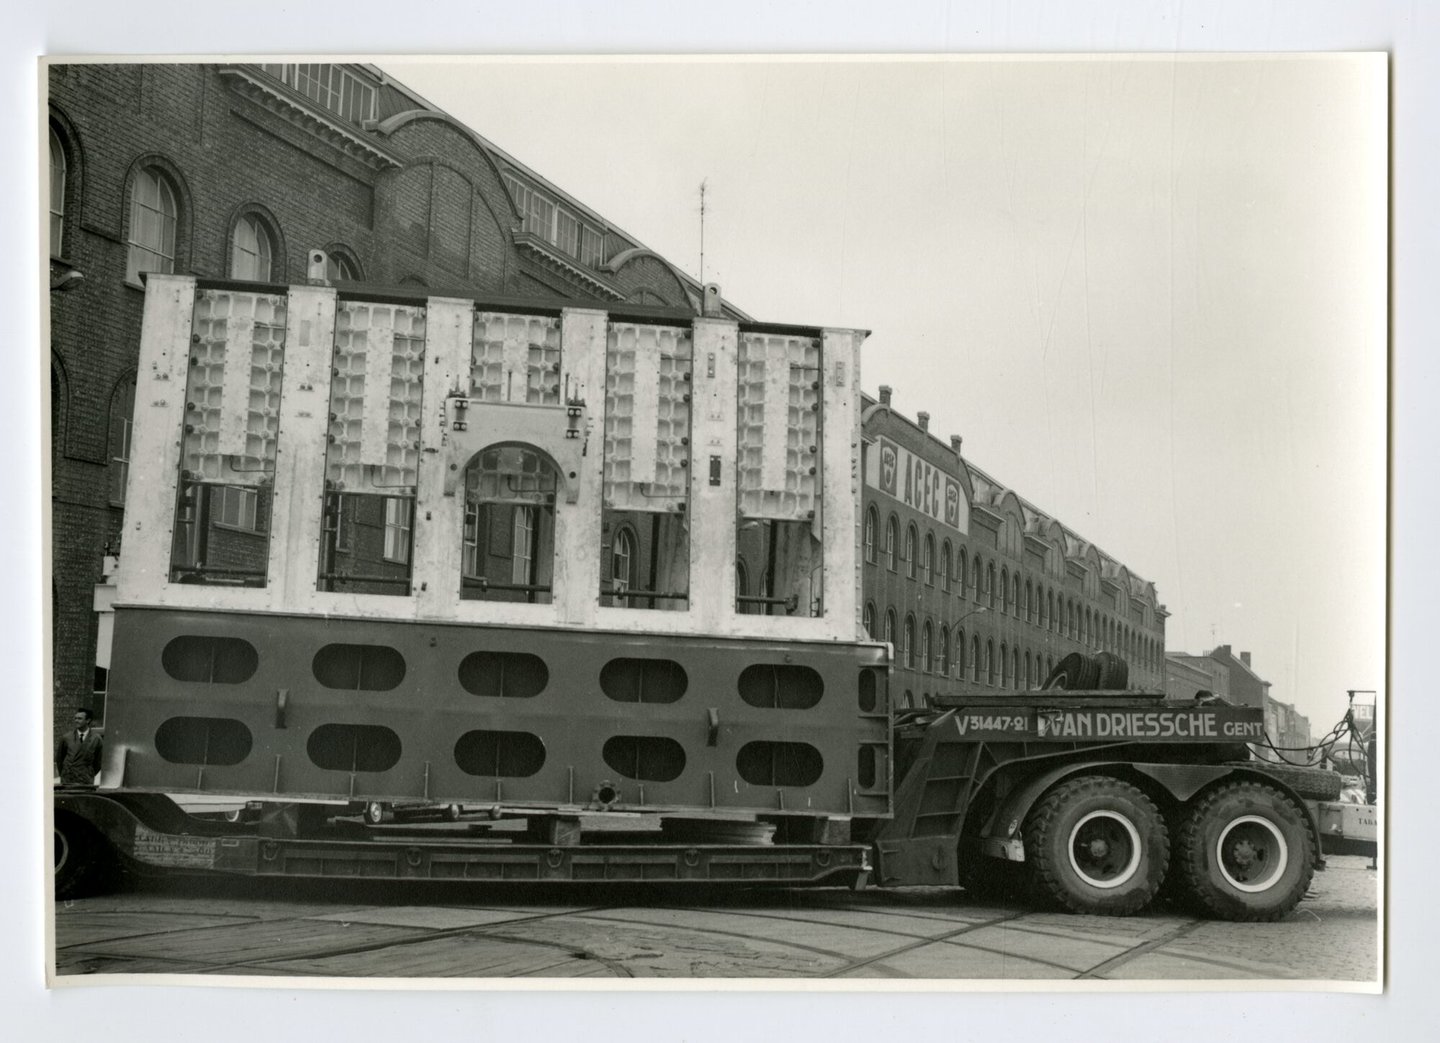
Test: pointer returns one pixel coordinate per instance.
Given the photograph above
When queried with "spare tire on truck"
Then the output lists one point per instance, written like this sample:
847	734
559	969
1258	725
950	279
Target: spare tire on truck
1245	852
1097	845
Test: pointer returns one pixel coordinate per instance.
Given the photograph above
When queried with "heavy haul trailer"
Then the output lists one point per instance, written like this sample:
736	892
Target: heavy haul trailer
396	548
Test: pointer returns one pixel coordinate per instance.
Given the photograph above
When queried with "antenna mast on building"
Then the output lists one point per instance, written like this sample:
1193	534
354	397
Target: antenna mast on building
703	182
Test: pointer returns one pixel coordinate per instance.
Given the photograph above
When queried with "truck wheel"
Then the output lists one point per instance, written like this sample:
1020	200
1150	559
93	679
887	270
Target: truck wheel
80	857
1097	845
1246	853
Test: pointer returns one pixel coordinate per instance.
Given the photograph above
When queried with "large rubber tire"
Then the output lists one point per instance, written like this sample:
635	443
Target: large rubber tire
1097	845
1246	853
1308	783
84	863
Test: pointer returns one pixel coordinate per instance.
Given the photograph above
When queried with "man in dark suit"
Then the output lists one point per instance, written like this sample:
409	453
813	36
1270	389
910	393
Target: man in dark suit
77	756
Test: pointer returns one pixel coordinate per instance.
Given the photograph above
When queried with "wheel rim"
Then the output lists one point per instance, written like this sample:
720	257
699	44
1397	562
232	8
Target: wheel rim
1105	849
1252	853
62	849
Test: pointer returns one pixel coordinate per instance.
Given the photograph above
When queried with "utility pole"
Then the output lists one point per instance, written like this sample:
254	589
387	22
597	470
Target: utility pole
703	182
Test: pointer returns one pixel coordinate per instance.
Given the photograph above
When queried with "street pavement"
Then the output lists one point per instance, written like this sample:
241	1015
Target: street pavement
355	929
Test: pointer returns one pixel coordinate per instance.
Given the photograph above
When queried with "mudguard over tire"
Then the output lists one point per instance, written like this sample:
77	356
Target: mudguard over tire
1097	845
1308	783
1246	853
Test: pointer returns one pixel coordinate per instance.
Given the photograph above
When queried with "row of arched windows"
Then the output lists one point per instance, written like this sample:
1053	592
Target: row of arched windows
157	221
1006	592
936	649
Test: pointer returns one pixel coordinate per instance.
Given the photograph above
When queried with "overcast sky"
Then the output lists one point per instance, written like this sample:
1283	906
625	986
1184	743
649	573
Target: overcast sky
1149	294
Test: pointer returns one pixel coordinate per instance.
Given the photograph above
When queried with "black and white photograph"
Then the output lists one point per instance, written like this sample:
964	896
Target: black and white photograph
851	519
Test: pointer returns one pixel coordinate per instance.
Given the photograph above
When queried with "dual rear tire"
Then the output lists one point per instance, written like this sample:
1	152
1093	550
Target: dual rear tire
1245	852
1098	845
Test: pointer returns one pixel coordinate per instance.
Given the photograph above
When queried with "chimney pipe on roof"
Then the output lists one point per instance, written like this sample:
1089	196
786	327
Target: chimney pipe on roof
713	300
1245	658
885	391
923	419
955	442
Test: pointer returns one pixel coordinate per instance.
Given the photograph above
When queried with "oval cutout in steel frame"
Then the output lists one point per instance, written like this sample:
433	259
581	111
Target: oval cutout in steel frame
212	741
358	668
209	659
645	758
501	755
353	747
508	675
781	686
643	680
765	763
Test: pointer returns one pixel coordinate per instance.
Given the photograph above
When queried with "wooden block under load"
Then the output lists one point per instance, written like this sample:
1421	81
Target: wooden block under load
559	830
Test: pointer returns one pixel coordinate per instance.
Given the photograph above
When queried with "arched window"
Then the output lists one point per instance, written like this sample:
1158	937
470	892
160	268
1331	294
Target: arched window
153	218
1004	666
962	571
252	249
1048	608
1015	593
890	626
870	522
1087	628
1029	602
59	405
928	562
925	663
867	619
622	564
911	560
510	520
907	644
58	169
942	663
975	577
341	266
945	565
990	584
1015	666
975	659
1004	590
990	663
1026	660
890	537
122	424
960	653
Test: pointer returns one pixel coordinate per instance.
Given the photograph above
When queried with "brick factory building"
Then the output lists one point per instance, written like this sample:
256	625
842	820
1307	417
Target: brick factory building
239	171
977	587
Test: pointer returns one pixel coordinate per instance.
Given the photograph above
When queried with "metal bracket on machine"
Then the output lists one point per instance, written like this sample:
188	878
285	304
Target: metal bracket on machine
474	424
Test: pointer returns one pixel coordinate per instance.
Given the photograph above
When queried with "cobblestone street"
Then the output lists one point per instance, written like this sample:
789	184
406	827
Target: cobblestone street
350	930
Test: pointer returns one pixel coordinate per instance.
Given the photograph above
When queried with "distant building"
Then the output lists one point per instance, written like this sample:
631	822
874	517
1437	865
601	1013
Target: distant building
1187	674
974	585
